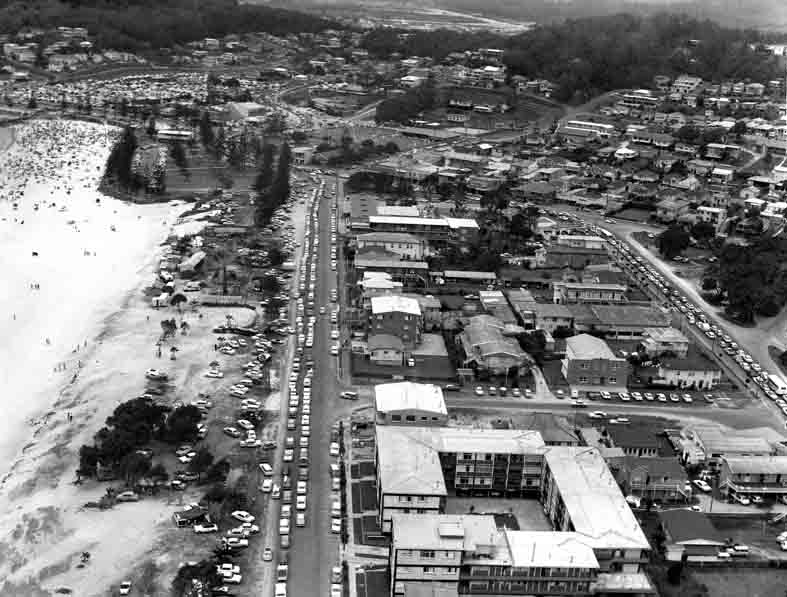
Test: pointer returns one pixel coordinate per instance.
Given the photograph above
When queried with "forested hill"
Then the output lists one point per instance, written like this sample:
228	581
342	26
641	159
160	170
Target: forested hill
141	24
586	57
589	56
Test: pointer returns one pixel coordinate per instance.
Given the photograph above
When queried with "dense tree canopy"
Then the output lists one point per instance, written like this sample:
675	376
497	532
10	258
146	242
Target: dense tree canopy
143	24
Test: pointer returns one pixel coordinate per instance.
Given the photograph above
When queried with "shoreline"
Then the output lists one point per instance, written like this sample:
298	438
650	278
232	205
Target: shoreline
7	138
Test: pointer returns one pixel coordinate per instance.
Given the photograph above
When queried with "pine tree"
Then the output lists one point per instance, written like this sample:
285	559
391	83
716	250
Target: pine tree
265	175
206	130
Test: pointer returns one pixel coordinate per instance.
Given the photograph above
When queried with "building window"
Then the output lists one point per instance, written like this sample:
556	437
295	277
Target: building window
467	456
612	379
424	418
396	417
410	418
428	570
427	554
584	365
583	379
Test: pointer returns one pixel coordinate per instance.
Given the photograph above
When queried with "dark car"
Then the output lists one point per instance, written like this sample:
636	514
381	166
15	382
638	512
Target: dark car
451	387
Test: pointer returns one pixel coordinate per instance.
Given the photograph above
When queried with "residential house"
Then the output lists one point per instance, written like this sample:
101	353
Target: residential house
669	210
550	317
487	348
691	535
554	429
590	364
712	215
664	341
660	479
386	349
634	440
693	371
406	246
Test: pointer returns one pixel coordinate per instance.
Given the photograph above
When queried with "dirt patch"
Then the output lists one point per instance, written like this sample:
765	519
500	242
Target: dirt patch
752	583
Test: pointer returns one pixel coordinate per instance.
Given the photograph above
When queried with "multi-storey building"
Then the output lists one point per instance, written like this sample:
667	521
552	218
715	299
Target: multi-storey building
590	362
398	316
418	466
765	476
468	555
580	494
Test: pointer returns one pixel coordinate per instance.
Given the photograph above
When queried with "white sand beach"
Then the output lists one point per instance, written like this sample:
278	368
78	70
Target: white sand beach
69	256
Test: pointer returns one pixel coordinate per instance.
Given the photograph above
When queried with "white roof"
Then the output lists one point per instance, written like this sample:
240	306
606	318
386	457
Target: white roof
549	549
410	221
395	304
454	223
585	346
407	395
449	532
593	500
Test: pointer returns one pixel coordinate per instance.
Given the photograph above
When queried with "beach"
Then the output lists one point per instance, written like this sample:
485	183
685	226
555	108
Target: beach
71	259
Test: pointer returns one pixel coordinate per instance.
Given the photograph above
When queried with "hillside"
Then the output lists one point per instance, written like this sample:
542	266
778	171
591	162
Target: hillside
142	24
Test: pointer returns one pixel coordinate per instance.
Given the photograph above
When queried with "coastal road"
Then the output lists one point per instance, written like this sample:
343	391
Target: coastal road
314	550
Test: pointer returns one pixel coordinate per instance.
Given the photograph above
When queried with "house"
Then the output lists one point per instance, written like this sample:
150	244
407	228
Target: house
487	348
707	444
549	316
406	246
407	403
302	156
561	255
386	349
765	476
243	110
669	210
495	304
690	534
693	371
590	364
661	479
634	440
712	215
660	341
398	316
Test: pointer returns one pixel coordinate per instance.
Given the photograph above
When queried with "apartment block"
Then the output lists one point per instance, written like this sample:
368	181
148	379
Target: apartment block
417	467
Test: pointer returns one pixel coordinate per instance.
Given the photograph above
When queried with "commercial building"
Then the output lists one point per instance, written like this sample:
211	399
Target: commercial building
619	322
693	371
579	292
590	364
408	403
385	349
417	466
398	316
707	444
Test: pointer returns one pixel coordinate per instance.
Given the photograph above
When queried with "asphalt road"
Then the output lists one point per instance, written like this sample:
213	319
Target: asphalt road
314	550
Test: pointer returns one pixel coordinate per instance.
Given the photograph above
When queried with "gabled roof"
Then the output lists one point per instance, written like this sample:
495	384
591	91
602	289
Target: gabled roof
395	304
686	526
585	346
407	395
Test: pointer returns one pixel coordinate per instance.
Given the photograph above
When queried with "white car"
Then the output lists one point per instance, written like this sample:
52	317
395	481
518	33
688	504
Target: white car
125	587
300	519
267	485
479	391
236	542
243	516
155	374
336	525
702	485
300	502
334	449
205	528
301	488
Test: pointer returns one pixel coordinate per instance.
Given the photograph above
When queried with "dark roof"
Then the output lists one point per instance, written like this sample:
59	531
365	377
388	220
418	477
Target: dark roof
693	361
633	436
655	466
686	526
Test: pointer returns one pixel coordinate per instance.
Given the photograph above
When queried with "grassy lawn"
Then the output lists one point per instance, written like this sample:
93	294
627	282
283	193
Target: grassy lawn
762	582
